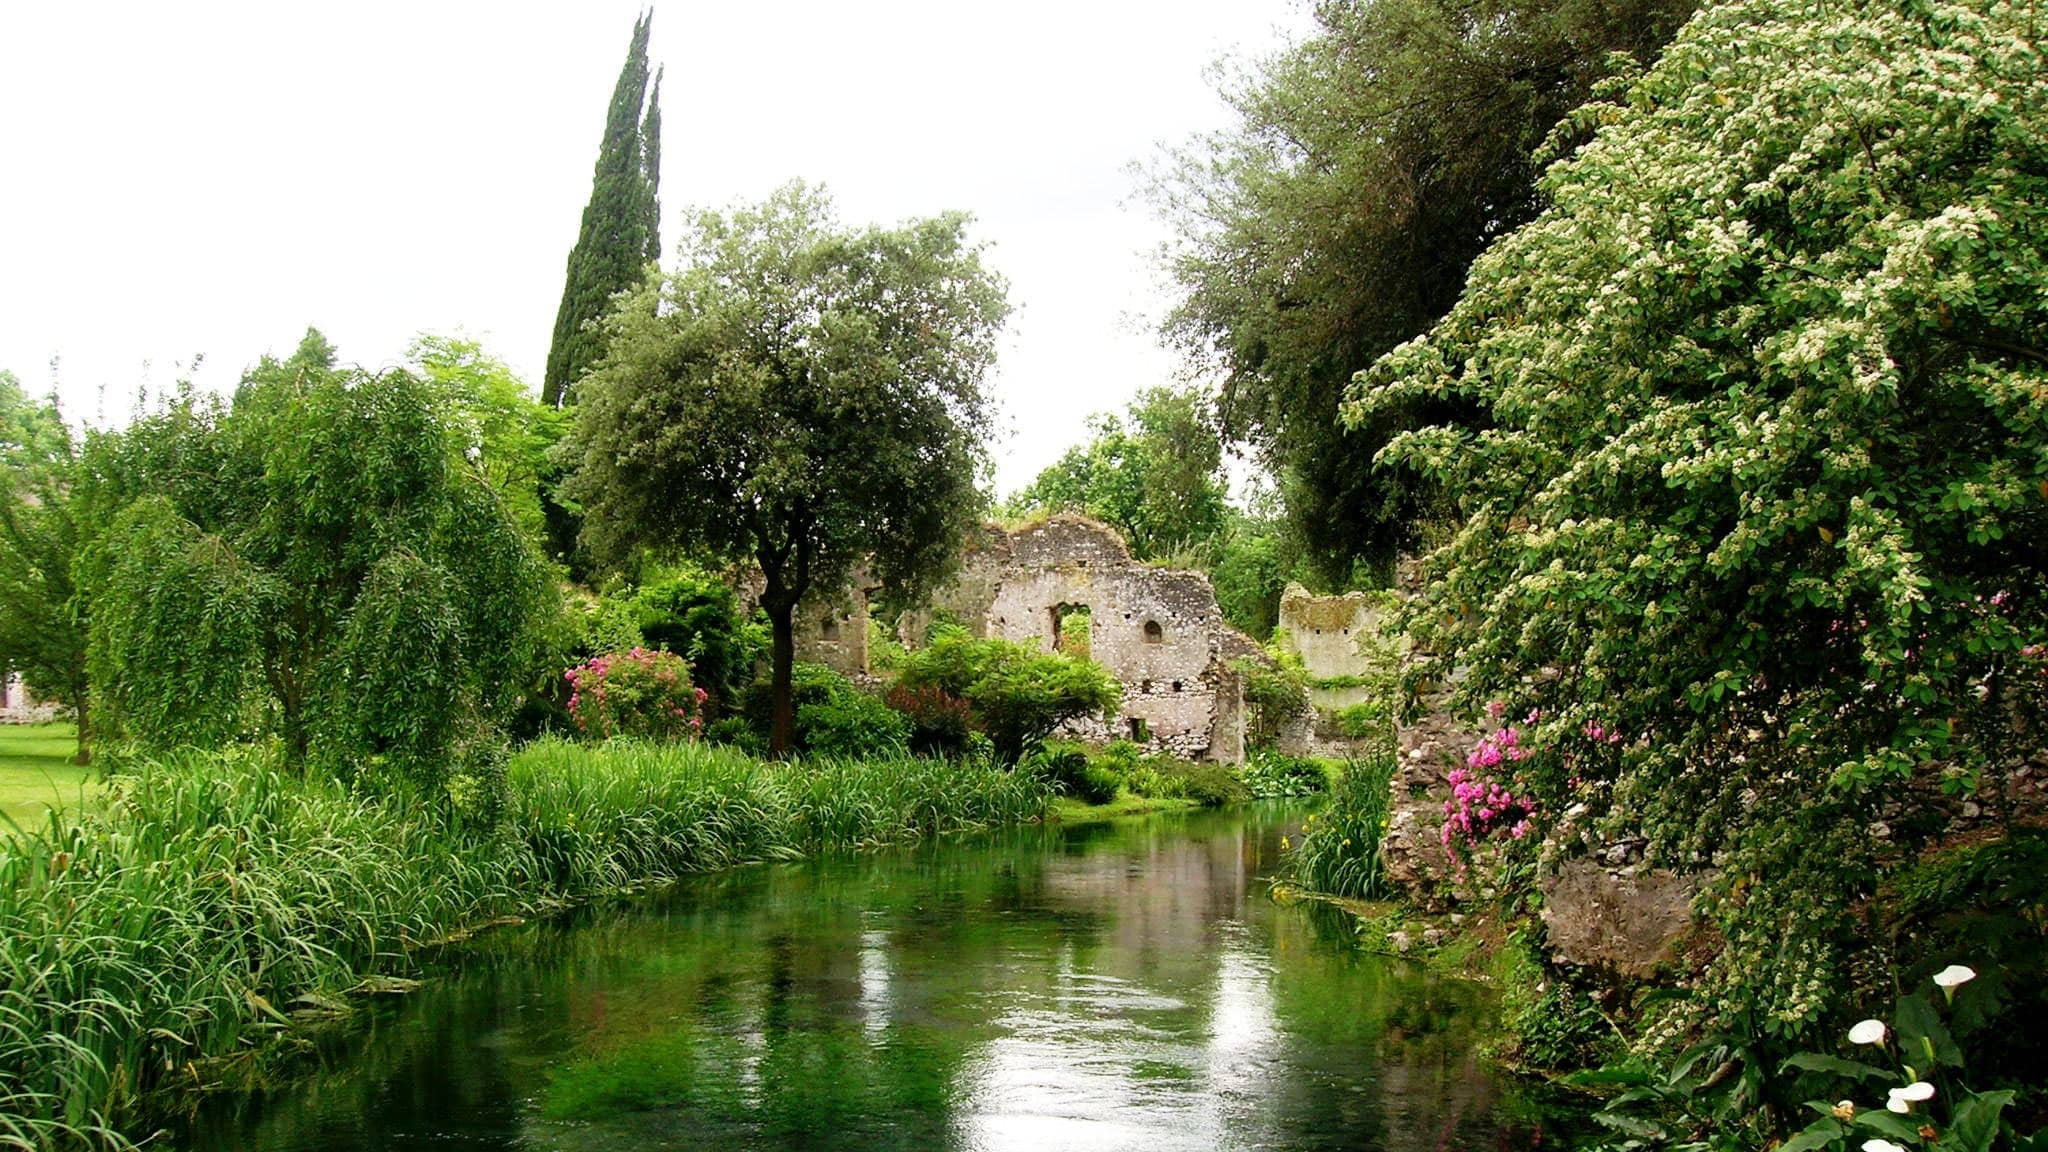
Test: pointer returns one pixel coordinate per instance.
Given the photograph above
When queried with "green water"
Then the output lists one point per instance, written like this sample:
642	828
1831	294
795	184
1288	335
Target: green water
1114	986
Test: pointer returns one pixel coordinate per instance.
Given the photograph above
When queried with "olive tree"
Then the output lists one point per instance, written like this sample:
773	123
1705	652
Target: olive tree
799	395
1763	480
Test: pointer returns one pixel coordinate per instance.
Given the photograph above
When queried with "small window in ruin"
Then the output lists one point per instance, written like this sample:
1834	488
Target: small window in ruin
828	628
1144	687
1139	730
1176	686
1072	629
1154	634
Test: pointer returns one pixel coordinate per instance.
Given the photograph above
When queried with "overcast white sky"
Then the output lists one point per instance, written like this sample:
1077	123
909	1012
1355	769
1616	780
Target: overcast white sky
186	179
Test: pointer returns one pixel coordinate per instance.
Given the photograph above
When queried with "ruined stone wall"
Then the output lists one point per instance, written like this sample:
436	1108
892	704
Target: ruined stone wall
18	706
1158	631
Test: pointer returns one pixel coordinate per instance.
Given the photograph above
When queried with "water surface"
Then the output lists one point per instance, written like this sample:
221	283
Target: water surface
1113	986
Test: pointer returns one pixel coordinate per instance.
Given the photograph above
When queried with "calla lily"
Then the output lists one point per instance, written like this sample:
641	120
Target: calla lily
1867	1032
1895	1104
1916	1091
1882	1146
1955	975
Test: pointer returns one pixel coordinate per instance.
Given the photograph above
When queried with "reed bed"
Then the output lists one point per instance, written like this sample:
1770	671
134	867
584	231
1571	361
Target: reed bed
180	922
1339	853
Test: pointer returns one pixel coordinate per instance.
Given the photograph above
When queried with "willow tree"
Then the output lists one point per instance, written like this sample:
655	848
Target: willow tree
1764	482
321	560
42	626
797	395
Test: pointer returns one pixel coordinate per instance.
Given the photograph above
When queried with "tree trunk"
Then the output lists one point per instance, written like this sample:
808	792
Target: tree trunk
79	705
781	658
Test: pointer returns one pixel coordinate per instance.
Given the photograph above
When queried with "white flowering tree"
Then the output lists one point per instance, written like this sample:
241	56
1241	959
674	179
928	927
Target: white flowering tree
1756	512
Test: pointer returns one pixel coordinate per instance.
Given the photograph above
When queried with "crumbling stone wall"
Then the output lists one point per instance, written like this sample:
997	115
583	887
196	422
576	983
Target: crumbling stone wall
18	706
1327	632
1159	631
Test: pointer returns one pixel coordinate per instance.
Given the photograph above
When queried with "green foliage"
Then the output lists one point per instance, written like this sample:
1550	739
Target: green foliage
1276	693
697	616
1764	463
44	627
833	716
1549	1011
1251	563
1987	901
319	561
1074	773
1368	166
620	234
1018	696
1158	776
1155	476
940	722
1271	775
1719	1085
639	693
1339	853
503	430
180	920
799	397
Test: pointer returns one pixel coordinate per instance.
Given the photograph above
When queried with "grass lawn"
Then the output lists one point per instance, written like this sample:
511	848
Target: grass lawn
36	772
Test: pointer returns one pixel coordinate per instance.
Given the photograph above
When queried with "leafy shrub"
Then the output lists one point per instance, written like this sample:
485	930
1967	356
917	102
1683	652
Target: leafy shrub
940	722
638	693
697	616
852	724
833	716
1275	694
1339	851
1018	696
738	732
1268	774
1758	470
1076	774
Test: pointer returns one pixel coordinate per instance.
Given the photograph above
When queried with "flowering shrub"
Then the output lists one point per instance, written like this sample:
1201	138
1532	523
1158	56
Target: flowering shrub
638	692
1480	805
940	722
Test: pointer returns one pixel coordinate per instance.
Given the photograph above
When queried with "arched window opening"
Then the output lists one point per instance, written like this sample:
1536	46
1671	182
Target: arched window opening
1154	634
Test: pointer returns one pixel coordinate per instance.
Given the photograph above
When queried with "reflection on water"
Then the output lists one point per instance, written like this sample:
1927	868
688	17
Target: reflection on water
1113	986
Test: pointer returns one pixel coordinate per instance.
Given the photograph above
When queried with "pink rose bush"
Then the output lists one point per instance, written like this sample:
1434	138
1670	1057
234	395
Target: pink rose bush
1481	805
640	692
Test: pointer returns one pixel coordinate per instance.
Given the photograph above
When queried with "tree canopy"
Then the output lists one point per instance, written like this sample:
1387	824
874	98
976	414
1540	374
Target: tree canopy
1763	474
1368	166
1156	476
324	559
42	627
798	395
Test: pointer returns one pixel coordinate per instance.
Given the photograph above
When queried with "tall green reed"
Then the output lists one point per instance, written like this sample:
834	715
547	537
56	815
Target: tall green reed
1339	853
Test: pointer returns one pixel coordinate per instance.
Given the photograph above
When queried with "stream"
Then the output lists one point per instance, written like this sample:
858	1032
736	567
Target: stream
1119	985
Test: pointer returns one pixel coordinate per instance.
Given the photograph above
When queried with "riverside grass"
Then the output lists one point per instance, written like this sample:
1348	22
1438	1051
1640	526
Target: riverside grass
1339	853
176	925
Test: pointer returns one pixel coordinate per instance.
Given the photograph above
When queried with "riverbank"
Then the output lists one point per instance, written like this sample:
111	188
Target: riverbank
211	896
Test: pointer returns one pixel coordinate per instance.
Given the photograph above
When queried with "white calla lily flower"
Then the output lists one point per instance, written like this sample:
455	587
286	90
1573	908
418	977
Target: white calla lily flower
1867	1032
1917	1091
1955	975
1882	1146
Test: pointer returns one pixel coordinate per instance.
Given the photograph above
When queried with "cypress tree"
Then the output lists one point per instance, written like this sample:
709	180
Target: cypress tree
650	154
618	236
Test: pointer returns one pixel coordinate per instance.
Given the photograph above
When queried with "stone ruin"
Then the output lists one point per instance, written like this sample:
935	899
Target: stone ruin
19	706
1158	631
